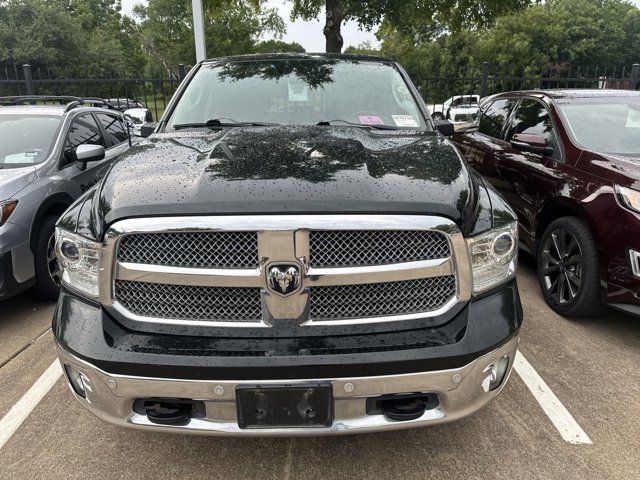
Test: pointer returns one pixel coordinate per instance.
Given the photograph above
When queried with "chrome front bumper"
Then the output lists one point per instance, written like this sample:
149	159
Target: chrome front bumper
460	392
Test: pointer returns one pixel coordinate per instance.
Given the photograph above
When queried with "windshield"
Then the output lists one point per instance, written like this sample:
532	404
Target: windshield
605	125
298	92
26	139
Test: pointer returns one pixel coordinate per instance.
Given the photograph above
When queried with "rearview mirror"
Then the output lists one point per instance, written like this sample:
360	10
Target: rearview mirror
445	127
533	143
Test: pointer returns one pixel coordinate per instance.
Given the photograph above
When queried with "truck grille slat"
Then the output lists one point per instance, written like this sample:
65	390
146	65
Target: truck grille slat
353	248
191	249
190	302
381	299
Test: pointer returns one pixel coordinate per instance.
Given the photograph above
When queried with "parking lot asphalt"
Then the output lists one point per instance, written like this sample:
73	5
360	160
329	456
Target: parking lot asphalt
590	365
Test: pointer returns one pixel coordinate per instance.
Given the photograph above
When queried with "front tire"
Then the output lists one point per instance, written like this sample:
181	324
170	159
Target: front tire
48	273
437	116
569	269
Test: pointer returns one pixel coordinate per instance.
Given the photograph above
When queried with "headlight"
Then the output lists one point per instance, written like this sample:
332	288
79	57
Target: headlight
628	198
494	256
79	260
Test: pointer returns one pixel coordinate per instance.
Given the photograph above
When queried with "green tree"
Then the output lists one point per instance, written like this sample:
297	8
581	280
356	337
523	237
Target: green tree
231	27
278	46
68	36
452	14
579	34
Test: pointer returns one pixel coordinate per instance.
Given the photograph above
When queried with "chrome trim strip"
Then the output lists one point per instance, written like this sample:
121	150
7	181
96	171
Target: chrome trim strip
209	277
284	238
321	277
117	306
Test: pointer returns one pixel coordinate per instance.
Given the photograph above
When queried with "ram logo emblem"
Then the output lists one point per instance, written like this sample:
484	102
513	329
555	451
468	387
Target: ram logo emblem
283	279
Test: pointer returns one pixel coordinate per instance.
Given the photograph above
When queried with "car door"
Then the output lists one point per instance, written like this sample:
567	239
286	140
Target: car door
527	177
479	148
84	130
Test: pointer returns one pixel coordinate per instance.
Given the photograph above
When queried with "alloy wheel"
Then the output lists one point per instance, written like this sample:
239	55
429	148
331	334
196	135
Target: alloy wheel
562	266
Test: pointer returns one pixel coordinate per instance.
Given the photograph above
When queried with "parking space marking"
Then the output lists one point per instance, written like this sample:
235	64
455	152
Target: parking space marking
23	407
569	429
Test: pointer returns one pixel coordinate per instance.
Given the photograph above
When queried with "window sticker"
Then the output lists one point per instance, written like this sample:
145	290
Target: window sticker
24	157
633	119
298	92
370	120
405	120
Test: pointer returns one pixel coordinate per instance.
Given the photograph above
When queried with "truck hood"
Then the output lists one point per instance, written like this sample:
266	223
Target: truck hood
12	180
268	170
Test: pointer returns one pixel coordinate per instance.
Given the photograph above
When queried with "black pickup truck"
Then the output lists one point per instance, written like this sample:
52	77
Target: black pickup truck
296	250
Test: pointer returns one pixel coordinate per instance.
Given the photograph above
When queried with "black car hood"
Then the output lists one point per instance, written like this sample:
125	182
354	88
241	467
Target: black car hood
289	170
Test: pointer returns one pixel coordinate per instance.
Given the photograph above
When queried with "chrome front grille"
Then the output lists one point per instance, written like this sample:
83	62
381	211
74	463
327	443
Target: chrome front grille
213	304
353	248
213	271
191	249
350	302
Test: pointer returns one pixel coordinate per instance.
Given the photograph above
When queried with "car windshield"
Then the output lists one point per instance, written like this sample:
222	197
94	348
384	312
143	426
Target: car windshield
298	92
26	139
605	125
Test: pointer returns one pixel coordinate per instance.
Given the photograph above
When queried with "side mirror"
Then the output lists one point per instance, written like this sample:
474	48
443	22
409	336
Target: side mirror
147	129
445	127
528	142
89	153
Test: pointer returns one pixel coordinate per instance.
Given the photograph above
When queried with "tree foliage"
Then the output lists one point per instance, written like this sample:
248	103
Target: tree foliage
231	27
450	14
65	37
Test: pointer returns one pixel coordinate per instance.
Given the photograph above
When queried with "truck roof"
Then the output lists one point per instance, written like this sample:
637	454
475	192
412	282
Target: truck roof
300	56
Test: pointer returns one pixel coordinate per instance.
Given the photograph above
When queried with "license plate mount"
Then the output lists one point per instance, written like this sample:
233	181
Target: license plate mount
285	406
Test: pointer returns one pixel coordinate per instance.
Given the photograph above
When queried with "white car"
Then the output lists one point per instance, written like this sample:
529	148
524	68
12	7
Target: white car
458	109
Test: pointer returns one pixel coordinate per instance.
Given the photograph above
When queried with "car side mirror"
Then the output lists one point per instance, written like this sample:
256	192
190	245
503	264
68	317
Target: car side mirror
533	143
445	127
89	153
147	129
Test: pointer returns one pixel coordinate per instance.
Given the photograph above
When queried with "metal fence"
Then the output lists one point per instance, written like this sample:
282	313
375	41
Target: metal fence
485	80
156	92
153	92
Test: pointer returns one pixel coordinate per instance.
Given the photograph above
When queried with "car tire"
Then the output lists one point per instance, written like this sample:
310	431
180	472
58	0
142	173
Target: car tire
47	285
437	116
569	269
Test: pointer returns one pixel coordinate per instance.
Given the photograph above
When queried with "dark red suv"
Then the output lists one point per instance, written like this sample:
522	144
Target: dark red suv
568	162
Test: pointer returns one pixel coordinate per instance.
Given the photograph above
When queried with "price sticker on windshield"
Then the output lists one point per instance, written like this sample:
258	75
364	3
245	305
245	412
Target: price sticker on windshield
633	119
405	120
298	92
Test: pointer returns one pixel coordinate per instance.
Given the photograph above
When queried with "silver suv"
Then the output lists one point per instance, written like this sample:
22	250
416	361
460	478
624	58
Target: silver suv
49	156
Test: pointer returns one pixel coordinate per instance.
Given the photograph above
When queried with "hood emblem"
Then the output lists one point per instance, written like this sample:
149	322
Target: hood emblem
283	279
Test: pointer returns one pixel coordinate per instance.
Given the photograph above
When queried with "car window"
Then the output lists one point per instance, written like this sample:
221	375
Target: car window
83	131
114	130
532	117
493	117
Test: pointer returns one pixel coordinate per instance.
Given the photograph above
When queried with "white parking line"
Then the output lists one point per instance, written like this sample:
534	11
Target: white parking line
23	407
569	429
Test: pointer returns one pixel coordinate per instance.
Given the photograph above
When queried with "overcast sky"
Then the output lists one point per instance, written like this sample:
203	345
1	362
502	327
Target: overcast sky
307	34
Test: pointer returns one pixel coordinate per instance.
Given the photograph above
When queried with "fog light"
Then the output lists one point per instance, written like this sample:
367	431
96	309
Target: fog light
78	381
495	373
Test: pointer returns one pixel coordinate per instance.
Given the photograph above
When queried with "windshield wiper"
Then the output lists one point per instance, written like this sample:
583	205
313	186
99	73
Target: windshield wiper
222	122
361	125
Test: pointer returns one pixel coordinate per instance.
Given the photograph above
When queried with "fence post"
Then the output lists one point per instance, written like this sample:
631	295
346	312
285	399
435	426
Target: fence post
181	72
484	80
28	80
635	77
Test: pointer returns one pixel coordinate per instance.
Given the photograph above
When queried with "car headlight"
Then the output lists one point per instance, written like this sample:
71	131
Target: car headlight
494	256
628	198
79	260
